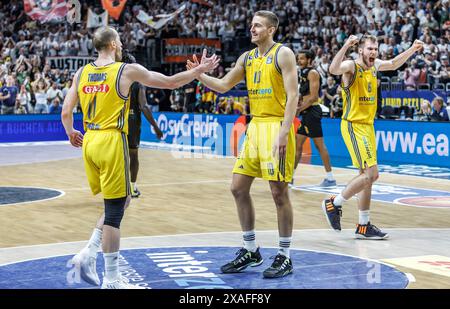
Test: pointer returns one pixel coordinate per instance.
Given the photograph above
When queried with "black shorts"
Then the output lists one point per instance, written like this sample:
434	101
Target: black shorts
134	132
311	125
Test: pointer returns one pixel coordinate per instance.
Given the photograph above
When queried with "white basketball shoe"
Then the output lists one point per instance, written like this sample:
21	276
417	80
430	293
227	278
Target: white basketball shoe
87	266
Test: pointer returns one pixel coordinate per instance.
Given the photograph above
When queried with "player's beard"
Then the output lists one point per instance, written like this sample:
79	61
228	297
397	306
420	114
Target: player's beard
367	62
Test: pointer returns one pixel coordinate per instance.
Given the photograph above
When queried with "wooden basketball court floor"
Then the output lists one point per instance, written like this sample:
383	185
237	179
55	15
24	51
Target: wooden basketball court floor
186	201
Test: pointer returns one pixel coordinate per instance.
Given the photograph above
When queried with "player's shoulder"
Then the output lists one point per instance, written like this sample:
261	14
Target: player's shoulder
313	72
350	66
285	50
284	54
130	67
349	62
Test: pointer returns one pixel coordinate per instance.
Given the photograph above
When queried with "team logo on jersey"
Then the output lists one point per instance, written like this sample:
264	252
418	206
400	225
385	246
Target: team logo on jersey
249	61
369	87
269	60
103	88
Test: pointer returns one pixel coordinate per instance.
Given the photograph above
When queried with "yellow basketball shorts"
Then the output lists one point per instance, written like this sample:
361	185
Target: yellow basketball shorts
256	159
361	144
107	164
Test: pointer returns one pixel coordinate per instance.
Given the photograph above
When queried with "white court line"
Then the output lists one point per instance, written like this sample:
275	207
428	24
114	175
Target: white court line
410	276
201	246
21	144
224	232
212	233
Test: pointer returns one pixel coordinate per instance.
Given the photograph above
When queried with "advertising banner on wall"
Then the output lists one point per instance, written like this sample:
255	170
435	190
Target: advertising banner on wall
73	63
410	98
402	142
180	50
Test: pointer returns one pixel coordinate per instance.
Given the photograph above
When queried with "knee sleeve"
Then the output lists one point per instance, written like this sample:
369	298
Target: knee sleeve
114	209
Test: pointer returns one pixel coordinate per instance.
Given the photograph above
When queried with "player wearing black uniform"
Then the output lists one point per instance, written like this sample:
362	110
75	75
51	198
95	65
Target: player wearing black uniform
309	108
138	104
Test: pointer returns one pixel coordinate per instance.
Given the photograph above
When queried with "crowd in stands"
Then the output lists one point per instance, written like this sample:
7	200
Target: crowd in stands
28	84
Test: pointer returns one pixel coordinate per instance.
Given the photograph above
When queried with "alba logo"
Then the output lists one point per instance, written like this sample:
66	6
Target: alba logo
96	88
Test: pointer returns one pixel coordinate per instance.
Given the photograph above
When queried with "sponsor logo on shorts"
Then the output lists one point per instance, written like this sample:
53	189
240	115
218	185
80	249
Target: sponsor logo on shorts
366	146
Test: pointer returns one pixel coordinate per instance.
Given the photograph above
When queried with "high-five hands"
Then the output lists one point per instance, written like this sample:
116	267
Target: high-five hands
206	63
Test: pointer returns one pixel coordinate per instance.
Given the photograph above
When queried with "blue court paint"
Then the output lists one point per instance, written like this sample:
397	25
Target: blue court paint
199	268
14	195
416	170
382	192
421	170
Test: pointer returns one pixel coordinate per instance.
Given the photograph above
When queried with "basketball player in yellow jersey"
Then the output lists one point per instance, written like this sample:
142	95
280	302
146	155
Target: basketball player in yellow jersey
359	91
269	147
102	87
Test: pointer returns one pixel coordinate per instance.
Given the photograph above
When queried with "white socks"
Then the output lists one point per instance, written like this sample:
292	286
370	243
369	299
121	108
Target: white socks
111	266
364	217
338	200
95	242
330	176
285	244
250	240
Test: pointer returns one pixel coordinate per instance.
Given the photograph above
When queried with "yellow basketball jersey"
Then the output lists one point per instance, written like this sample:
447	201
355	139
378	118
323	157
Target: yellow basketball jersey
103	106
360	97
265	83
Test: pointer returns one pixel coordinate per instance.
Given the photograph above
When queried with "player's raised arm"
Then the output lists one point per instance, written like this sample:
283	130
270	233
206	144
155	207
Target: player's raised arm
394	64
136	72
338	66
227	82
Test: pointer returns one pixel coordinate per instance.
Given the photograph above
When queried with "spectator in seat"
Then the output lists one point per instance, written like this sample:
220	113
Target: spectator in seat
439	110
55	106
425	111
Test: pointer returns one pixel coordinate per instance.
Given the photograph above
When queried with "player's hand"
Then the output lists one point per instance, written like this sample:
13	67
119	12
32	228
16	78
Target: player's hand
208	64
351	41
279	147
158	132
76	138
192	64
417	45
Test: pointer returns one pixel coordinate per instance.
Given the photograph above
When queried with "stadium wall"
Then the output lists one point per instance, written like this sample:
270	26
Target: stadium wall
397	141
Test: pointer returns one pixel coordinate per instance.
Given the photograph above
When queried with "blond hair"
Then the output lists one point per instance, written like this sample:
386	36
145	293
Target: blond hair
103	37
365	38
270	16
